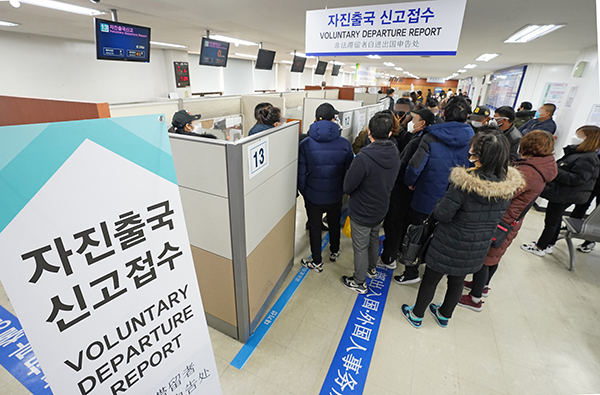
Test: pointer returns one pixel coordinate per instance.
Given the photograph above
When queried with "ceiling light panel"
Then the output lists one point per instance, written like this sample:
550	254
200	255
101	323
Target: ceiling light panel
8	24
486	57
243	55
470	66
232	40
168	44
57	5
531	32
389	64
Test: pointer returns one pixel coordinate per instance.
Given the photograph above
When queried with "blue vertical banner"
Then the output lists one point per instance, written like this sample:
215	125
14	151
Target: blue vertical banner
17	357
348	371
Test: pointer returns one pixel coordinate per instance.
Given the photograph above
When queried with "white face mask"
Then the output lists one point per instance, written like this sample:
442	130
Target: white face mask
492	122
576	140
410	126
197	129
477	124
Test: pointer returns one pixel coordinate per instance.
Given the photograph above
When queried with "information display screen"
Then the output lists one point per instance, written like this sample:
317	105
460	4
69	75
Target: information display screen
265	59
336	70
299	63
505	87
121	41
321	66
214	53
182	74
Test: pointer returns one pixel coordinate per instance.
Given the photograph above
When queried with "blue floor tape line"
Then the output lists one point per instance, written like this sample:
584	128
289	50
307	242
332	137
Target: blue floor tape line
17	357
244	354
352	359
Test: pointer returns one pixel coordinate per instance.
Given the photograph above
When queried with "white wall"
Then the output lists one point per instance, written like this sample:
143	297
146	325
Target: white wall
239	77
536	77
48	67
205	78
568	119
265	79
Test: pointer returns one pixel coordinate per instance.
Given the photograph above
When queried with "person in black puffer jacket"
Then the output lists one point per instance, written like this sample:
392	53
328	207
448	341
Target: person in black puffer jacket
323	160
468	215
577	174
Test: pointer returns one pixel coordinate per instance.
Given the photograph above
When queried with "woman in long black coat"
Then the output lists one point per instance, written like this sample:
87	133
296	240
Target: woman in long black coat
577	174
468	215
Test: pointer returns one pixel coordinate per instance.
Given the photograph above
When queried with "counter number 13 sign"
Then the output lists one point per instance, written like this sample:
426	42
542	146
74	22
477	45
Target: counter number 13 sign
258	154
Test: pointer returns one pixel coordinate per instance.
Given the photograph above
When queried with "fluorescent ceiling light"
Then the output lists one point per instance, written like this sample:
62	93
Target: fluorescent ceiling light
398	68
406	72
486	57
15	3
389	64
57	5
246	55
373	56
531	32
470	66
287	62
232	40
462	71
168	44
8	24
335	62
302	55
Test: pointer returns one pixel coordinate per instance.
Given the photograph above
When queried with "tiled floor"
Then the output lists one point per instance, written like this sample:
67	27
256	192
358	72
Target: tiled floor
539	333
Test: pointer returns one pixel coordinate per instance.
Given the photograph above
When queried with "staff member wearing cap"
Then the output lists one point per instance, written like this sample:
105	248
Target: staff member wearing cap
323	160
182	123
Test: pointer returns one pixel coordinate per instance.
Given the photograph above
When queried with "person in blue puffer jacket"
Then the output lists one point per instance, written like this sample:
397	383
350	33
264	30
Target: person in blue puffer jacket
442	147
323	160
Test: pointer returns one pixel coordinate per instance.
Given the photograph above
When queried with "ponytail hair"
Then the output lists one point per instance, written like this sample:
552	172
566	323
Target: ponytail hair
269	116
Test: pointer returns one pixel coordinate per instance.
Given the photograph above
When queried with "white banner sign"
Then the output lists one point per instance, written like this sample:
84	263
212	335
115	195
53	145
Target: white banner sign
96	259
421	28
365	75
436	80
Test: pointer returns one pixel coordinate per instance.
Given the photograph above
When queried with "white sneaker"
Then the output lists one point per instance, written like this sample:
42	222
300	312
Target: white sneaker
549	250
392	265
533	249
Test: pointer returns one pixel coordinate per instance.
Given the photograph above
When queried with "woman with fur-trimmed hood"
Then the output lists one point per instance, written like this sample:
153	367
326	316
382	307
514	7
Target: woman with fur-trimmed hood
468	215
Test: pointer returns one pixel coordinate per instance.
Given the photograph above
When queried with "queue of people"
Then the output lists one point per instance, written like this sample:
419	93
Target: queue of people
466	171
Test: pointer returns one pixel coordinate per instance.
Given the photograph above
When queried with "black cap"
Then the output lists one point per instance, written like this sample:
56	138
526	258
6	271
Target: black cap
482	111
182	118
426	115
326	112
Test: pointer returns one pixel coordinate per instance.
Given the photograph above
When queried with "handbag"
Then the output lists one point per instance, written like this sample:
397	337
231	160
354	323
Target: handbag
416	241
346	230
503	229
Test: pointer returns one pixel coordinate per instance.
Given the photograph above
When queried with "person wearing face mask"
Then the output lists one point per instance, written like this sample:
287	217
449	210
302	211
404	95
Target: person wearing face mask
182	124
323	159
479	117
396	219
504	117
524	113
444	146
578	171
542	121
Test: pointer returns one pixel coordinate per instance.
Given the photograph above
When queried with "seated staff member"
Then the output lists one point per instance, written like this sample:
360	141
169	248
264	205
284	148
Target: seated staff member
182	124
268	117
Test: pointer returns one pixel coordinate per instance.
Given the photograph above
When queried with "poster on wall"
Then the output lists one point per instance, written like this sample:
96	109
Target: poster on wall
427	28
553	93
571	97
594	117
96	258
365	75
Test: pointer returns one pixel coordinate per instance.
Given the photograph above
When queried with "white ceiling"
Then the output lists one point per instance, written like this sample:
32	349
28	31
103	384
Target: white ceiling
280	25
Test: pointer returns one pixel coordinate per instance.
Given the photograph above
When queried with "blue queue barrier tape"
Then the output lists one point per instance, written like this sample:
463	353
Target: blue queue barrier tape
17	357
244	354
352	359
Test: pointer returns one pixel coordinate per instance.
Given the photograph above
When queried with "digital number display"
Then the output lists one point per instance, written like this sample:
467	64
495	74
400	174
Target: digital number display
182	74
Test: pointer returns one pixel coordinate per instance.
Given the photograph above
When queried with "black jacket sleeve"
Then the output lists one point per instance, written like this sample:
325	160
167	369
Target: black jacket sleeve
447	207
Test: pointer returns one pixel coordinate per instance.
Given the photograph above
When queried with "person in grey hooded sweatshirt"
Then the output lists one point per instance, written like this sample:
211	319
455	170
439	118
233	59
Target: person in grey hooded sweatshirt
369	182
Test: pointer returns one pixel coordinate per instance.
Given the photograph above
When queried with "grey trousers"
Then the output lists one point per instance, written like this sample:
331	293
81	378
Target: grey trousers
365	243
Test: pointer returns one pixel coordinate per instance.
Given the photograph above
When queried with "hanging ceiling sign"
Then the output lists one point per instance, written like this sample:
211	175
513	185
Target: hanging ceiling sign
426	28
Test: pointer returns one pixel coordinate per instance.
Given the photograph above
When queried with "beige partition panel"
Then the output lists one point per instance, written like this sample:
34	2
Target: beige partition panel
294	99
316	94
332	94
367	98
168	108
250	101
213	107
311	104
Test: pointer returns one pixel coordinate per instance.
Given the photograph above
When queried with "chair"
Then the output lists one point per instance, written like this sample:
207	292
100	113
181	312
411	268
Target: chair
588	229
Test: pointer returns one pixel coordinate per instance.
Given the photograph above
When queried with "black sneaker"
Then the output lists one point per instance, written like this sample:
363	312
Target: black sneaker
372	273
333	256
312	265
392	265
349	283
587	247
403	280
